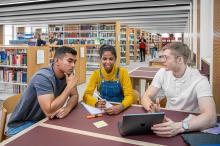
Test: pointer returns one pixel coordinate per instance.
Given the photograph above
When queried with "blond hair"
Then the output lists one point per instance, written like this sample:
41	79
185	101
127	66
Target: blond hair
179	49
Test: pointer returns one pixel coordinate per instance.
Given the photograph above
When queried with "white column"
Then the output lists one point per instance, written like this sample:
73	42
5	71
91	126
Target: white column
206	32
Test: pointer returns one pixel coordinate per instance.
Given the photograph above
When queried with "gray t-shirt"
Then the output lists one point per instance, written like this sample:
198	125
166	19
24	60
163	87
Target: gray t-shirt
28	109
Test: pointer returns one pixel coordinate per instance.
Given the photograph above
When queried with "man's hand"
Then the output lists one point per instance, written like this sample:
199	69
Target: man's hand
61	113
115	109
152	107
71	80
168	128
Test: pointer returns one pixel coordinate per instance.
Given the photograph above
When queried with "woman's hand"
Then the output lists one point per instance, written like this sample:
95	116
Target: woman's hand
116	109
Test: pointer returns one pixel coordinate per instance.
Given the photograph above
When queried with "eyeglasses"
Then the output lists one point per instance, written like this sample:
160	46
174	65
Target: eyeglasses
165	57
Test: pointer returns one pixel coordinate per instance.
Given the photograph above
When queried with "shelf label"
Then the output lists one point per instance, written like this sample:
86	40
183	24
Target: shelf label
40	56
82	55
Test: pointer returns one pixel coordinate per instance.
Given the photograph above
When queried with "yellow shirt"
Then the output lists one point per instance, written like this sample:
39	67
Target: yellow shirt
95	81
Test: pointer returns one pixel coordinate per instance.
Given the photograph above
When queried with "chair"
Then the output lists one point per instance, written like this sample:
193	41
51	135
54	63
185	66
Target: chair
136	97
7	107
163	102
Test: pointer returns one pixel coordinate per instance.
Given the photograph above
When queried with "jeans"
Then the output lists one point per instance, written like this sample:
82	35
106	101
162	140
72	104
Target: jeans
14	130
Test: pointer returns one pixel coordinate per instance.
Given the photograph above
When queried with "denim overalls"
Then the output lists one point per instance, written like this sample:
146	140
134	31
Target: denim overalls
111	90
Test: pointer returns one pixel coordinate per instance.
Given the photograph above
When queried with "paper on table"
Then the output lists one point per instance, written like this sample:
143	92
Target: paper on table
213	130
93	110
100	124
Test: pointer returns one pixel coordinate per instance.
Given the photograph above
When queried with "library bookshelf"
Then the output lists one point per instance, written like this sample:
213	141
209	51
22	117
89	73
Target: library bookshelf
17	65
95	34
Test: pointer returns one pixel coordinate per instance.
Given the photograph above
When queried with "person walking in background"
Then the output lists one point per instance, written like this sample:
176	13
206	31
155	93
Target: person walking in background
153	50
142	46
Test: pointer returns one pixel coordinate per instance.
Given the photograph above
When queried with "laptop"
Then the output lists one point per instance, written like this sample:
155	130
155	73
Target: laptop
139	124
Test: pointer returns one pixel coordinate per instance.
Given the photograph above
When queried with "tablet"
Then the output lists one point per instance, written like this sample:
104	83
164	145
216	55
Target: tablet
137	124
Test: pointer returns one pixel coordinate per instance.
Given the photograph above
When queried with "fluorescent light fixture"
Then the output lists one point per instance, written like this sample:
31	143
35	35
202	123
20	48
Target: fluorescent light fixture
21	2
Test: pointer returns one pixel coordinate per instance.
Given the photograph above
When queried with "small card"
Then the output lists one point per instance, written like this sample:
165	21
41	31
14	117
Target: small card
100	124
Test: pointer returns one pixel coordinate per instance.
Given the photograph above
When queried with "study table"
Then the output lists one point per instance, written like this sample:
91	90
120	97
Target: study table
77	130
142	73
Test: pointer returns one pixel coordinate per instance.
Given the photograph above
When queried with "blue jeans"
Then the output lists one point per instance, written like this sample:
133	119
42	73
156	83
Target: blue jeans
14	130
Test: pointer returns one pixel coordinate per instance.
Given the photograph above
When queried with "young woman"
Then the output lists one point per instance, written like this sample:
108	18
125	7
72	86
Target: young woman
111	81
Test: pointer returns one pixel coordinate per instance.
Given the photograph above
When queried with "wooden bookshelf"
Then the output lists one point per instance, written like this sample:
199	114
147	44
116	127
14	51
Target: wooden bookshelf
88	33
127	46
131	43
138	36
17	65
123	45
92	58
80	68
135	45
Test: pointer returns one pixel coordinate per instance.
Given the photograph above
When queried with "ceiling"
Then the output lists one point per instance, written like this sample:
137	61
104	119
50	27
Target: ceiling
151	15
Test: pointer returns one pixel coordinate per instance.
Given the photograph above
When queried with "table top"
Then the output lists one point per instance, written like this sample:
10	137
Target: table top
154	69
78	130
142	74
156	60
77	120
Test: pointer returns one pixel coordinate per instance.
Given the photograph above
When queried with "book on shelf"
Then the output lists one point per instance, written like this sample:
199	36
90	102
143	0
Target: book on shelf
11	58
13	75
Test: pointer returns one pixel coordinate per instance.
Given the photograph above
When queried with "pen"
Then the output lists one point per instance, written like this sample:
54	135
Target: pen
99	97
94	116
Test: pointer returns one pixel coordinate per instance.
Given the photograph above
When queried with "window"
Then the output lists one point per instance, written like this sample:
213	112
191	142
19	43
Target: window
8	34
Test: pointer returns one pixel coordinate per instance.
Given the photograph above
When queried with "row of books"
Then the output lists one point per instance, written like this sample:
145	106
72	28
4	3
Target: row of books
12	75
123	36
7	58
71	27
93	59
89	34
92	51
56	28
107	27
12	89
107	34
88	27
81	27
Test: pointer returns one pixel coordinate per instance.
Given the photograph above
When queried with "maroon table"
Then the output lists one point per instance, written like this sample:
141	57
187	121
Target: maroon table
77	120
156	63
148	69
148	75
142	73
42	136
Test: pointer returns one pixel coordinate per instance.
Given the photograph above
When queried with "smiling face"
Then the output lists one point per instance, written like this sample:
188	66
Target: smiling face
67	63
108	60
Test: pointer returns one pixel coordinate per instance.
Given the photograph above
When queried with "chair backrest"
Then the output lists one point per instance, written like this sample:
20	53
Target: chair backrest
7	107
136	97
163	102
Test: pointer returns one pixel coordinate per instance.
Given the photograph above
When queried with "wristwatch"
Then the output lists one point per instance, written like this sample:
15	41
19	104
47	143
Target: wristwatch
185	125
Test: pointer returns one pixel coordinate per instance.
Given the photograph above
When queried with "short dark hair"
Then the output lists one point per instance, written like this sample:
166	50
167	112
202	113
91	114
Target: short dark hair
179	49
61	51
105	48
